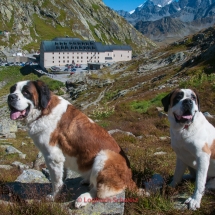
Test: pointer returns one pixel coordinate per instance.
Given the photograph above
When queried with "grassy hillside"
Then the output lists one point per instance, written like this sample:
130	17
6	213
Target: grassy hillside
12	74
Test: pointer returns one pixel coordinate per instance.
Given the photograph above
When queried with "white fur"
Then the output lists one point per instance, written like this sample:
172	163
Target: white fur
188	143
98	166
22	103
40	130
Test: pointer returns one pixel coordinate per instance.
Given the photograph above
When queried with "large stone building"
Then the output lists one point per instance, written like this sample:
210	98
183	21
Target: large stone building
62	51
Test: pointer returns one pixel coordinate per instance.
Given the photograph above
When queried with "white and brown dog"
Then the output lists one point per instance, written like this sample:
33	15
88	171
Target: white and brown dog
68	138
193	140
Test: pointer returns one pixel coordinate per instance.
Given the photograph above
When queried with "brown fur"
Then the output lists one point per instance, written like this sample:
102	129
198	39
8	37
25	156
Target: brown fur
173	96
206	149
80	138
212	148
53	103
115	176
32	89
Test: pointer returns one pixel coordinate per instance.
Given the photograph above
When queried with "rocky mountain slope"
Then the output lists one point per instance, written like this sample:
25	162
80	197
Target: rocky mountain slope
151	19
28	22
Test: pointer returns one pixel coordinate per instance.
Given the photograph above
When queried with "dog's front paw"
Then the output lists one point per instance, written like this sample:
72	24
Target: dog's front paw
83	200
193	204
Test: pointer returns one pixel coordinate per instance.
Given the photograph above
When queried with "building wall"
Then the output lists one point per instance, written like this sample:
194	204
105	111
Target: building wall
49	59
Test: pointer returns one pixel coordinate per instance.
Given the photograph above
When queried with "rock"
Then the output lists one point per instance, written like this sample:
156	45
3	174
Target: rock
164	138
39	162
32	176
208	115
160	109
32	184
179	201
20	165
24	144
117	130
154	184
7	126
6	167
68	174
160	153
11	150
161	114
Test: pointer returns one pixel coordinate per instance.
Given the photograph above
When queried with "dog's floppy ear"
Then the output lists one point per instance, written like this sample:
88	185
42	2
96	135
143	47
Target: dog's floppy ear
44	93
166	101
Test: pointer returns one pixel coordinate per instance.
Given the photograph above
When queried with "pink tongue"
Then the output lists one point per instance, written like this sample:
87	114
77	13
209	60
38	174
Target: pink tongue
187	117
15	115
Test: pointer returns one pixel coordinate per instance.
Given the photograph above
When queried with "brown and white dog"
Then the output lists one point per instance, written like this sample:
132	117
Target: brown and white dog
193	140
69	139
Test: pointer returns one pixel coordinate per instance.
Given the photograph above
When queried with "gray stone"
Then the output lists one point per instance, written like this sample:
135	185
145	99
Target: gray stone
160	153
32	176
154	184
6	167
164	138
24	144
20	165
40	161
161	114
11	150
208	115
179	201
118	130
7	126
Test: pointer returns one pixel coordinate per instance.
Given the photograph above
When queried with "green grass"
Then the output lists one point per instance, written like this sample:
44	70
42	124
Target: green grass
12	74
95	7
142	106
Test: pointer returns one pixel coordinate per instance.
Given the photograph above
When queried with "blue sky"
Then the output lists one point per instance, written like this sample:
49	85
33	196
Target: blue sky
126	5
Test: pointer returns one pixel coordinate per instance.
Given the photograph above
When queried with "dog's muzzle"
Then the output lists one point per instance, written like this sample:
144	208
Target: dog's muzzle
186	117
15	113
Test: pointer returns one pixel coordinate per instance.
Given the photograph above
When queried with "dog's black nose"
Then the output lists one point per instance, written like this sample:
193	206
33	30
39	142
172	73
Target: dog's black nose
187	102
12	97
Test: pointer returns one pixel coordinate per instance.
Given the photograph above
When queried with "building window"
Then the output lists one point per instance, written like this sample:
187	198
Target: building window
114	55
59	57
108	54
64	61
87	57
59	52
52	61
81	57
67	57
52	57
77	57
52	52
59	61
63	52
121	55
68	61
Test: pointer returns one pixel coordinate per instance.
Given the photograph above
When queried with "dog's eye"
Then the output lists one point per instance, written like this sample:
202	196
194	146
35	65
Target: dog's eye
25	92
193	97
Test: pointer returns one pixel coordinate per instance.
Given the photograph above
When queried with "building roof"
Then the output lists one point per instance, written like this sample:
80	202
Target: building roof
64	44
